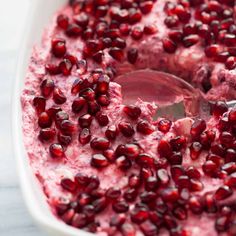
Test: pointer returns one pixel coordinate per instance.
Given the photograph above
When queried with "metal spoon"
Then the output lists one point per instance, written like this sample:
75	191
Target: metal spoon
174	97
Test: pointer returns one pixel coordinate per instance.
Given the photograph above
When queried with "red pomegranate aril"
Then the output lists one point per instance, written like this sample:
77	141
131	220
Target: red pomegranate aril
183	14
123	163
68	216
100	204
124	29
116	53
64	139
99	161
85	120
170	194
82	179
163	176
98	56
212	50
161	163
134	181
60	116
47	134
180	213
103	100
232	116
183	182
78	104
222	57
92	184
82	19
135	15
195	150
178	143
100	144
223	192
52	111
76	87
88	94
184	195
126	129
164	148
195	205
63	21
171	21
169	45
230	63
226	138
151	183
193	172
164	125
81	67
189	29
196	185
73	30
210	205
145	159
176	172
132	111
58	96
128	229
44	120
150	29
222	224
117	220
230	40
146	7
101	11
144	127
231	180
52	69
147	197
119	42
65	67
47	87
39	103
58	47
197	128
68	184
190	40
229	167
145	173
120	206
56	150
68	127
209	167
110	155
176	35
102	119
219	108
169	221
102	84
230	155
131	150
139	215
113	193
203	31
136	33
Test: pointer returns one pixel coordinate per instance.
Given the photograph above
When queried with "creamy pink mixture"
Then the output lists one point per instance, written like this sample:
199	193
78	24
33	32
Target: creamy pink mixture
111	169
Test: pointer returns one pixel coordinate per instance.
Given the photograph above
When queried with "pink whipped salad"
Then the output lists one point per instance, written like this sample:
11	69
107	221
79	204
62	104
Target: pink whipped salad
109	168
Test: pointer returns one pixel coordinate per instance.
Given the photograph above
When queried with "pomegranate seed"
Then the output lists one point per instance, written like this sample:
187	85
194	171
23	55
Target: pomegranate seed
92	184
85	120
100	143
170	194
103	100
231	63
197	128
44	120
81	67
116	53
145	160
47	134
58	47
176	172
195	205
168	45
68	127
150	29
111	132
119	42
171	21
184	195
102	84
68	184
100	204
178	143
60	116
117	220
209	167
176	158
88	94
56	150
132	111
102	119
231	180
124	29
73	30
223	192
180	213
120	206
82	19
195	185
151	183
99	160
78	104
161	163
189	29
126	129
163	177
113	193
63	21
76	87
183	14
190	40
39	103
192	172
222	223
219	108
222	57
53	111
226	138
134	15
195	150
145	172
68	215
98	56
176	35
82	179
146	7
232	116
64	139
229	39
127	229
209	203
164	125
123	163
144	127
65	67
131	150
134	181
47	87
136	33
148	228
139	215
183	182
164	149
58	96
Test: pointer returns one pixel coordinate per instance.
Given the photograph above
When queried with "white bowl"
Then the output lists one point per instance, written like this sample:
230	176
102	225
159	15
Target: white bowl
40	13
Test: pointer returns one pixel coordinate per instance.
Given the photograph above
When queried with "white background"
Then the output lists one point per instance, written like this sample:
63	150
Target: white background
14	218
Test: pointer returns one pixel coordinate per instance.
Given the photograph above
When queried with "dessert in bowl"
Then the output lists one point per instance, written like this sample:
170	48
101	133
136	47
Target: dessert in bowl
110	168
